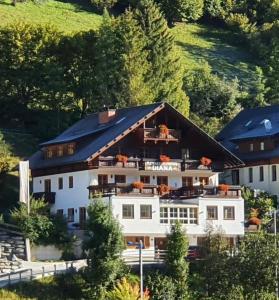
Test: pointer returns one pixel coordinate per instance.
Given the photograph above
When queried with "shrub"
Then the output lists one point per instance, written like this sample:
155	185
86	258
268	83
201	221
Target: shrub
238	22
163	189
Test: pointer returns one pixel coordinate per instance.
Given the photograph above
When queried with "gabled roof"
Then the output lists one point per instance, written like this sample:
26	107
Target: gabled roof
249	124
101	137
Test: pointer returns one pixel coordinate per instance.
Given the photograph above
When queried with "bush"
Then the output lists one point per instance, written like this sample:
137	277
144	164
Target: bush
238	22
218	9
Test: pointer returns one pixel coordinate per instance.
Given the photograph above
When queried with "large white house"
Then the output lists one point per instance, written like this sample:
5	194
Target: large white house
253	135
151	164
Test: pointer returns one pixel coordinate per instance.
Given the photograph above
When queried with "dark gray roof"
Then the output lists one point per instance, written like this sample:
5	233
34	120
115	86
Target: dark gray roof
124	119
247	125
100	136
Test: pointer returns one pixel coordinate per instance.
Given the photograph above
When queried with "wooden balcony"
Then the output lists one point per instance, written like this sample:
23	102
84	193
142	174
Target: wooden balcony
49	197
121	189
111	162
153	134
191	164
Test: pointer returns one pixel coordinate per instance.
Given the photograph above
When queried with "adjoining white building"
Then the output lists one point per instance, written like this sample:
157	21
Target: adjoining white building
253	135
151	164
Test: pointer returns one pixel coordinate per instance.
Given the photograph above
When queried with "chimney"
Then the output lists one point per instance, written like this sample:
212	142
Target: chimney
106	115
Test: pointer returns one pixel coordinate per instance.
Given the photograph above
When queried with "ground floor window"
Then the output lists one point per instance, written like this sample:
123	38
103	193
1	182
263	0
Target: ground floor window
71	215
132	242
128	211
146	211
186	215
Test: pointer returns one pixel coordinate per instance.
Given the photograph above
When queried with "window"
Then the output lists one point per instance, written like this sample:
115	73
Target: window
251	147
120	179
71	215
162	180
60	151
274	173
164	215
193	215
102	179
71	182
60	183
173	214
60	212
212	213
235	177
204	180
146	211
187	181
128	211
145	179
250	170
186	215
47	185
71	149
261	173
228	212
183	215
49	153
262	146
82	217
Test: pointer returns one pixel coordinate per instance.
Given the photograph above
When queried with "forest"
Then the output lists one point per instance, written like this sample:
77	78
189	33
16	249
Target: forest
127	52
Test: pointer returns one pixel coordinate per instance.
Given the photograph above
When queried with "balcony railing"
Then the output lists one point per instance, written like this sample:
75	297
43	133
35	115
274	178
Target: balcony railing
153	134
191	164
49	197
121	189
111	162
150	190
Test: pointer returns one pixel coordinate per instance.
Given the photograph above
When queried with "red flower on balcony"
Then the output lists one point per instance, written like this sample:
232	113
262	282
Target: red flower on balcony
138	185
163	129
254	221
205	161
163	189
224	188
164	158
121	158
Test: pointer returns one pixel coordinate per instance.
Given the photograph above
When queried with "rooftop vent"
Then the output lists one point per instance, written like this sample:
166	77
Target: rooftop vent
267	124
106	115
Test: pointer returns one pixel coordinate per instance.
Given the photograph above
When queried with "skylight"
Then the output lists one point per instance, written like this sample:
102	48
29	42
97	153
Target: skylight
248	123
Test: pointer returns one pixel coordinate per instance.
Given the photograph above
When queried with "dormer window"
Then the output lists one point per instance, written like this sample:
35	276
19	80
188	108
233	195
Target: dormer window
251	148
60	151
262	146
71	149
49	153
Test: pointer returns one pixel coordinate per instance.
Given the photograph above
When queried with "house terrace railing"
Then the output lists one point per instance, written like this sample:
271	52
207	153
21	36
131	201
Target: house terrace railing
111	162
150	190
47	196
154	134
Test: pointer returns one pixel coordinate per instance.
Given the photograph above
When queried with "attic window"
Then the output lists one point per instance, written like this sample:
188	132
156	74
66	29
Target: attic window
251	147
49	153
59	150
262	146
71	149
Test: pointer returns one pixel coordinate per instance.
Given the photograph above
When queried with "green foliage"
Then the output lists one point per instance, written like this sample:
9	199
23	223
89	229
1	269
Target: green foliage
39	226
122	65
218	9
101	4
177	267
263	202
161	287
105	244
125	290
273	73
5	156
181	10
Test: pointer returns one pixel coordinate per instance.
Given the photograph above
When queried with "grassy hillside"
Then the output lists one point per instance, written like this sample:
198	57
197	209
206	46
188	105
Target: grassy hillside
22	145
197	42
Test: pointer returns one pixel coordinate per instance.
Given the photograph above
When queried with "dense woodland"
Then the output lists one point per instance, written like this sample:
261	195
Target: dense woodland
50	79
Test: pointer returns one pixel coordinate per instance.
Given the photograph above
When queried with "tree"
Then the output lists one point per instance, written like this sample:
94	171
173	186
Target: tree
177	267
105	244
218	9
181	10
165	74
5	156
103	4
273	73
122	64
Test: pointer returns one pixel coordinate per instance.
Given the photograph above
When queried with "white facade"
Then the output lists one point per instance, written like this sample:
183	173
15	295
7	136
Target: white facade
260	177
77	197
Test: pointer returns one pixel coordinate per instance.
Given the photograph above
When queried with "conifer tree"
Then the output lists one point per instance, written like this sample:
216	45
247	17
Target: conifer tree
166	72
122	62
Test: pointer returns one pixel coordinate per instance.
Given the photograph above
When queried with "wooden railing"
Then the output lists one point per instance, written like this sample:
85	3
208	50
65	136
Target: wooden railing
49	197
153	134
109	162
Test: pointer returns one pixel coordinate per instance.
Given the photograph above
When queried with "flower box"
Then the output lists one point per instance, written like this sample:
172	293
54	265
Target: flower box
164	158
224	188
121	158
163	189
138	185
163	130
205	161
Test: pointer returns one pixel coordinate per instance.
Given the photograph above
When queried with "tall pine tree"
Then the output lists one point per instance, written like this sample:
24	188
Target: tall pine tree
166	71
122	62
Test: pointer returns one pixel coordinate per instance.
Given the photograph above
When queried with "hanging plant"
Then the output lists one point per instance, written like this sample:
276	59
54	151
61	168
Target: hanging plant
121	158
205	161
163	189
163	129
138	185
164	158
224	188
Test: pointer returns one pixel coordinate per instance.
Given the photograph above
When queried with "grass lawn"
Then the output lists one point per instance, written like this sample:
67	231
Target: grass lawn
67	16
201	43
